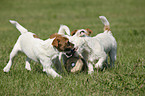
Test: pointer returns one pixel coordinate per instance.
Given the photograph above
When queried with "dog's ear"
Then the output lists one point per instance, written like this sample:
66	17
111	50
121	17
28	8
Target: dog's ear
89	31
55	42
73	32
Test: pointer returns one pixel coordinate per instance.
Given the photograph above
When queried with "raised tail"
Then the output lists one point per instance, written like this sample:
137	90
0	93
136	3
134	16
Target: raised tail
18	26
106	24
63	29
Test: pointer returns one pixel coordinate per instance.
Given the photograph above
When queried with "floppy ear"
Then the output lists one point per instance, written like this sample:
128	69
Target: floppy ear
73	32
89	31
55	42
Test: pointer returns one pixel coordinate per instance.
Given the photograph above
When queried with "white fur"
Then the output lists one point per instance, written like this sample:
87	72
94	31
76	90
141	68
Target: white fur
36	49
96	48
63	29
104	20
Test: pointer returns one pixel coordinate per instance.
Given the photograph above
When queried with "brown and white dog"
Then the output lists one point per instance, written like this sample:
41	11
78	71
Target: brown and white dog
44	51
97	47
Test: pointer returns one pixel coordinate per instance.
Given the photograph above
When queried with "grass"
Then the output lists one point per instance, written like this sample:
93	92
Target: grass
43	17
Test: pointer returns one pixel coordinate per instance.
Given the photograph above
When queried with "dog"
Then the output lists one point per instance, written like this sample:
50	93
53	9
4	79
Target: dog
44	51
77	33
97	47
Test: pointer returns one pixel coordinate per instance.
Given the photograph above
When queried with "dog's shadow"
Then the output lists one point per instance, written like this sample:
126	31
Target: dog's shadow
37	67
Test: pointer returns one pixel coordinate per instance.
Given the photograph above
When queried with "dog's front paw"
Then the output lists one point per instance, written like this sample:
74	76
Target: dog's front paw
98	66
59	76
28	68
90	72
44	70
6	69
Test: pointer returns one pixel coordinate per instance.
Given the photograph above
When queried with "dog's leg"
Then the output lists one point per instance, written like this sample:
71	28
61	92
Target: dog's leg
57	64
106	61
48	69
27	66
99	64
112	55
90	68
12	55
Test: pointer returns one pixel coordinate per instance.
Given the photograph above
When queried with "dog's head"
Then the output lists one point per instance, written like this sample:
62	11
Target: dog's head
62	43
82	32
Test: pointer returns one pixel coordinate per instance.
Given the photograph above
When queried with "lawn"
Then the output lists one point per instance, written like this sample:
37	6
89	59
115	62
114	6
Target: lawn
43	17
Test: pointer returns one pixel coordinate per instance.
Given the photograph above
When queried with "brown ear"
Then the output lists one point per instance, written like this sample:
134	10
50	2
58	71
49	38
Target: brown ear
73	32
55	42
89	31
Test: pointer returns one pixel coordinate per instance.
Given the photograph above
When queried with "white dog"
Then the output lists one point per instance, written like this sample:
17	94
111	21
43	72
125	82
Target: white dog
46	52
95	48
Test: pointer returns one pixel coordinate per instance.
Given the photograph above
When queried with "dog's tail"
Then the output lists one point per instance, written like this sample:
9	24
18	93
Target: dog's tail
63	29
106	24
18	26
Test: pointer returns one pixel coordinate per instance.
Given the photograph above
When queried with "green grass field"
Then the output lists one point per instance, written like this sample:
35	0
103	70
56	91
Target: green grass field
43	17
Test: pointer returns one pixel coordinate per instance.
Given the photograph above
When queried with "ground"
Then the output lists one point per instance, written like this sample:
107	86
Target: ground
43	17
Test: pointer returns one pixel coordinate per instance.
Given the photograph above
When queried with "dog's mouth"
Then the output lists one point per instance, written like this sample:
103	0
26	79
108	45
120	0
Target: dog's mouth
71	52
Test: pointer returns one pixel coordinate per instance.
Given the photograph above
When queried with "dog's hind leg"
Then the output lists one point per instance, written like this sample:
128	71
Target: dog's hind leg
106	61
12	55
27	66
112	55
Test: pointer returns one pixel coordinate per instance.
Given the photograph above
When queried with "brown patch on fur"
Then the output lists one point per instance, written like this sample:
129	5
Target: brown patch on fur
89	31
55	35
35	36
107	27
73	32
61	43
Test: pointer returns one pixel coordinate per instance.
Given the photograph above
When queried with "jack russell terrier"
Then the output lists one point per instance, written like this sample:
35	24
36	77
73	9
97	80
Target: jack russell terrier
94	48
44	51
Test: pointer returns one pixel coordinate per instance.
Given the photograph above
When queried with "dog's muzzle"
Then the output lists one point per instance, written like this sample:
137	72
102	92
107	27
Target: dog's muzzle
71	52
